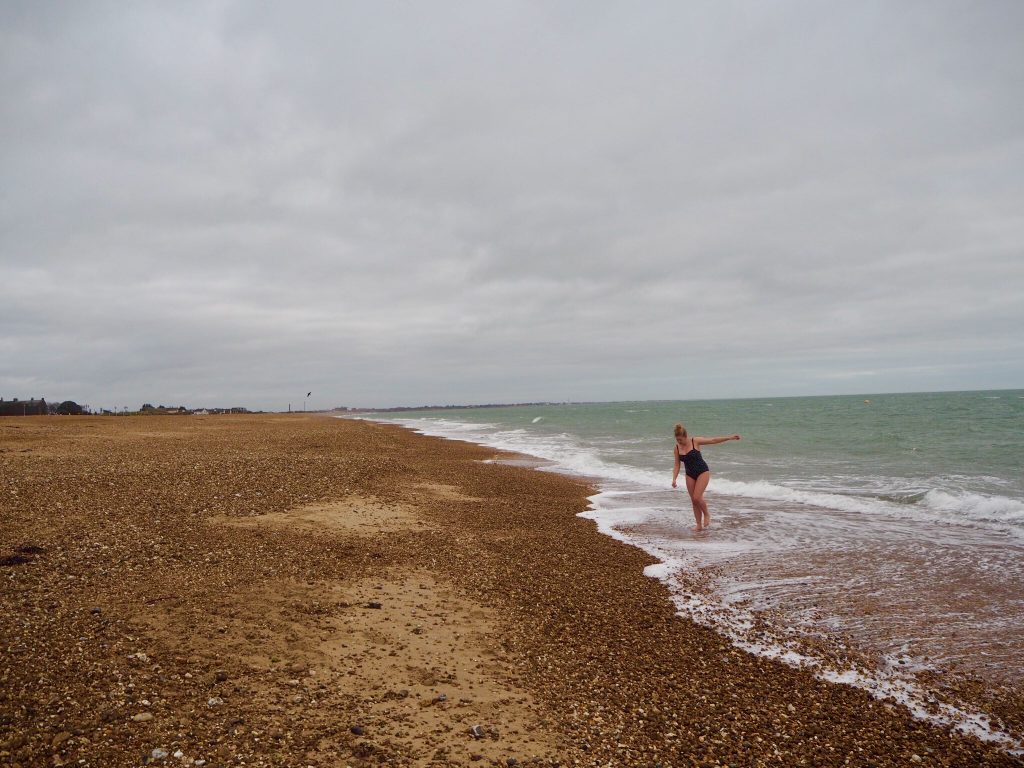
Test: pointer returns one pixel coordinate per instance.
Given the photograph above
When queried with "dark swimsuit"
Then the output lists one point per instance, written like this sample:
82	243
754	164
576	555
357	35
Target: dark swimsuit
694	463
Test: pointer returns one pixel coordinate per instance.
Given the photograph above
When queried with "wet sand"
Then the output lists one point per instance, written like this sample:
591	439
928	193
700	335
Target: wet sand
299	590
861	610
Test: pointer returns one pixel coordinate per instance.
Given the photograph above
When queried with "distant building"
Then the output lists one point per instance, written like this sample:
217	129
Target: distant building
18	407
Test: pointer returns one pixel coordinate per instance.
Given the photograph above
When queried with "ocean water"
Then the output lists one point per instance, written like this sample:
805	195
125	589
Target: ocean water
876	538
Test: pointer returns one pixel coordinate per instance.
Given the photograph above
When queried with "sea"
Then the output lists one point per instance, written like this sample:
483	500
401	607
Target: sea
877	539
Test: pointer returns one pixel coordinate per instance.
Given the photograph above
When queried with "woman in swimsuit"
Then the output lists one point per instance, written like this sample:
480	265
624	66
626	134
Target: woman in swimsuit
697	472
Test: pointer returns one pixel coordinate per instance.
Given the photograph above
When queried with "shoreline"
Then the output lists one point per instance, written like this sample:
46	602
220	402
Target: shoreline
969	701
175	559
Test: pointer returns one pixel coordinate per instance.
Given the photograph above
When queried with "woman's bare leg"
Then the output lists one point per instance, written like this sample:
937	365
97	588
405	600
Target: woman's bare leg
699	486
698	512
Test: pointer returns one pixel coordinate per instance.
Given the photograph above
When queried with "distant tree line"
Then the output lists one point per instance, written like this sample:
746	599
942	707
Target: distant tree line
39	407
149	408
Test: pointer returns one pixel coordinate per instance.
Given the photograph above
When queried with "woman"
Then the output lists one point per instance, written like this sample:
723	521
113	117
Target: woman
697	472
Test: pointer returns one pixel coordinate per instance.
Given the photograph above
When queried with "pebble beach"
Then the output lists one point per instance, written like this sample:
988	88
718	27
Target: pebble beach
297	590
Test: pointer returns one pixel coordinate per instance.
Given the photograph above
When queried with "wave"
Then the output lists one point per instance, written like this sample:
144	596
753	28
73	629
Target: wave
955	507
994	509
1001	514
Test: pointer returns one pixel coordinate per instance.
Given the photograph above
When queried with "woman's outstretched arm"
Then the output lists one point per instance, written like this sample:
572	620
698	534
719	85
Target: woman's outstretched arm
675	470
714	440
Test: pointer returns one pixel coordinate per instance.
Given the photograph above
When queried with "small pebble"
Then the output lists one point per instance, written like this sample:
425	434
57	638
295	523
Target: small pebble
60	738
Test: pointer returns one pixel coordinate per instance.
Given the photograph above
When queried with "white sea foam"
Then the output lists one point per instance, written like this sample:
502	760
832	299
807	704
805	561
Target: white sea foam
562	449
892	681
996	509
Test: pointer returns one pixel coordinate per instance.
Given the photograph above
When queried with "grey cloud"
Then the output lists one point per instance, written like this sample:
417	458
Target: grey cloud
473	202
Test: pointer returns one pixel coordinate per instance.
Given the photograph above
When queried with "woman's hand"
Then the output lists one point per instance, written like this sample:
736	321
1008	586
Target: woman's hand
735	437
673	483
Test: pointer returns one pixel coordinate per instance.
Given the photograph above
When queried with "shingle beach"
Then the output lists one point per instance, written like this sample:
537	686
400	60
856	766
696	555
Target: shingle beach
308	591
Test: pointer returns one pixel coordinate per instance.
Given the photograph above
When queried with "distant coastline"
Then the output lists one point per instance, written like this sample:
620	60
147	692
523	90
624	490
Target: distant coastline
403	408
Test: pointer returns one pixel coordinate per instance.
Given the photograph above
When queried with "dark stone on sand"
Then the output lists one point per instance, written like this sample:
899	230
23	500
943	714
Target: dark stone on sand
477	732
373	604
24	554
357	730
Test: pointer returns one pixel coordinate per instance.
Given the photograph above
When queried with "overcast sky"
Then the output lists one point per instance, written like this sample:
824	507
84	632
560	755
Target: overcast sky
234	203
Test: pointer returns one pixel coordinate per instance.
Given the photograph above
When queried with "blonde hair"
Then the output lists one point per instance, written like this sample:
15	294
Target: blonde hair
680	431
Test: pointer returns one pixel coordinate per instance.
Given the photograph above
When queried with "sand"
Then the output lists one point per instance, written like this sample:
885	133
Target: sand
300	590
